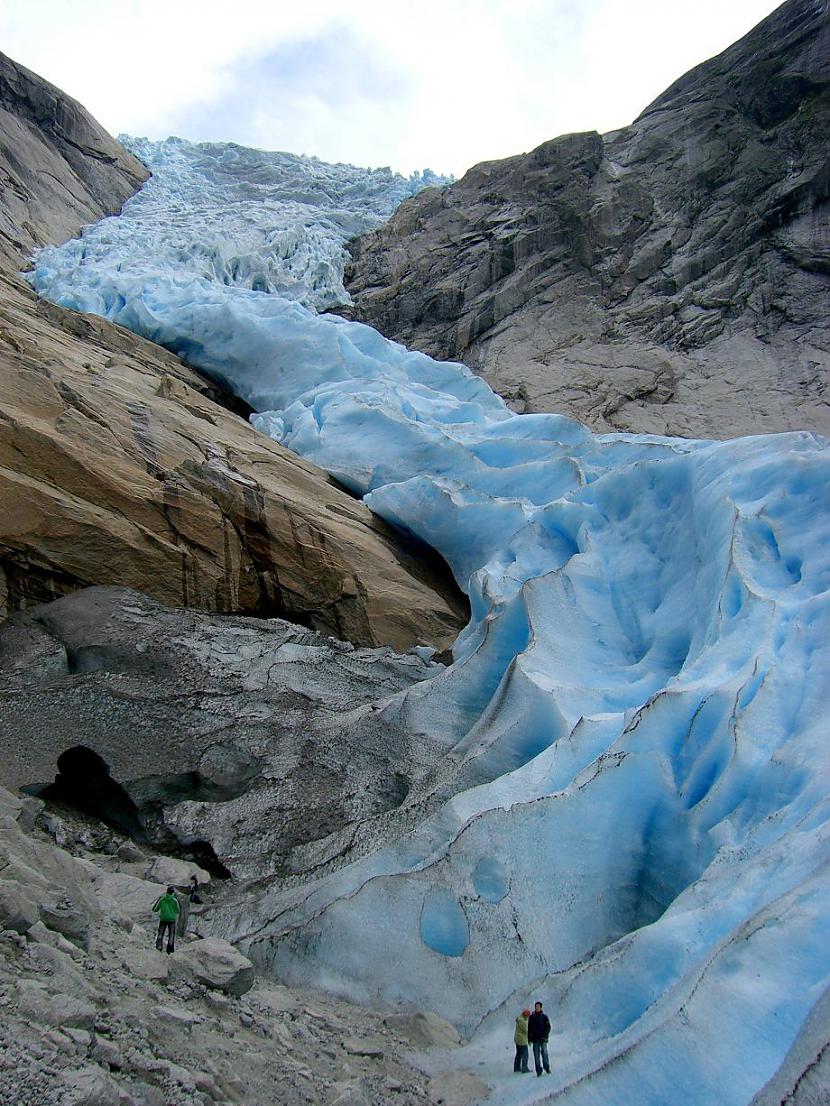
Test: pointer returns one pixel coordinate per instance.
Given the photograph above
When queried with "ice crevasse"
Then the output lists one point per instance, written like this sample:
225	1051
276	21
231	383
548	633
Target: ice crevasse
633	819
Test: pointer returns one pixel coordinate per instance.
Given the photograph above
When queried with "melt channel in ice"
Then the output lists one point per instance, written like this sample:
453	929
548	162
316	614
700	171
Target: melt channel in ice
632	817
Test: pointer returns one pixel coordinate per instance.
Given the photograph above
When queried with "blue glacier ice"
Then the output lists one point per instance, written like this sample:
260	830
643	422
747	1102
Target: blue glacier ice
632	819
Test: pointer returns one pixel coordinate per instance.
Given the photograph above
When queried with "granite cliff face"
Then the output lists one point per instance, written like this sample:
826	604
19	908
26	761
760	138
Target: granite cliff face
58	168
118	466
670	277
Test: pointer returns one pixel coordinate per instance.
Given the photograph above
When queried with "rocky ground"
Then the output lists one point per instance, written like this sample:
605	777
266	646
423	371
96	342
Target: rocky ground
93	1015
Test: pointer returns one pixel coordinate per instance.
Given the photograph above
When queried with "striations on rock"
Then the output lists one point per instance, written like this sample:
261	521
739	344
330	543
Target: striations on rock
669	277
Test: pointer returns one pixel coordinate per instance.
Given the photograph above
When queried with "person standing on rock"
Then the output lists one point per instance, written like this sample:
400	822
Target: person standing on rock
520	1039
538	1031
186	896
167	907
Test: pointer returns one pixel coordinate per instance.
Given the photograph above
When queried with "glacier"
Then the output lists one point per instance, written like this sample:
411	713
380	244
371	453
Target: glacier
631	819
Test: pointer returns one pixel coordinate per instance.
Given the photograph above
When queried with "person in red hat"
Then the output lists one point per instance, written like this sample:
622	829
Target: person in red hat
520	1038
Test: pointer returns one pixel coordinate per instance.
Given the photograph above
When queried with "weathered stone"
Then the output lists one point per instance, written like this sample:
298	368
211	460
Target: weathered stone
18	910
168	870
105	1052
125	897
215	964
130	852
457	1088
278	1000
146	963
365	1046
668	277
30	811
175	1014
424	1029
56	1009
65	918
293	711
90	1086
211	515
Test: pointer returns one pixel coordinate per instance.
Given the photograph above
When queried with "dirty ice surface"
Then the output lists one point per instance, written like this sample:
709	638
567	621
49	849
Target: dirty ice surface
633	820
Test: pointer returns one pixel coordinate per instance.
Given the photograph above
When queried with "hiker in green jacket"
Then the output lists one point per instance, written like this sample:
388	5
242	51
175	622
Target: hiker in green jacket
167	907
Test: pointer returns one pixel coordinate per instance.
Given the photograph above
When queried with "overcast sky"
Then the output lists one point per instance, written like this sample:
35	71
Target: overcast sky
430	83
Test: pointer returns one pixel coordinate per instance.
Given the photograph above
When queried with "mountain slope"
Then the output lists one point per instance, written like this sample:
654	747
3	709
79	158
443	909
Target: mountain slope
118	466
670	277
58	168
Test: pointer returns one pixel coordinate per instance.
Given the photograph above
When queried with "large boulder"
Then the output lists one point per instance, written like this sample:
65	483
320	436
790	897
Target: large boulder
215	964
43	1005
424	1030
38	879
668	277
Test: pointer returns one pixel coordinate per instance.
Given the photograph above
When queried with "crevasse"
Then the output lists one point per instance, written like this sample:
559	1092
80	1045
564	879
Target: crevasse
632	820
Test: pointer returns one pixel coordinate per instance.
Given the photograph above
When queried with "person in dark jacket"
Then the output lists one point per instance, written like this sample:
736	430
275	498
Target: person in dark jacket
186	896
538	1031
520	1040
167	908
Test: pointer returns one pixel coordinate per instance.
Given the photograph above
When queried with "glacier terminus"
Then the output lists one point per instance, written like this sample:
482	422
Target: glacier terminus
632	817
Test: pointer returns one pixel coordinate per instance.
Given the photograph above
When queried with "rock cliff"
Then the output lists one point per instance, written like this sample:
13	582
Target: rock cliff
119	466
58	168
669	277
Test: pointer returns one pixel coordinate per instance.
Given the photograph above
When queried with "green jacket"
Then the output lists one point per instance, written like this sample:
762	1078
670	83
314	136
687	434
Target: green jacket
167	907
520	1036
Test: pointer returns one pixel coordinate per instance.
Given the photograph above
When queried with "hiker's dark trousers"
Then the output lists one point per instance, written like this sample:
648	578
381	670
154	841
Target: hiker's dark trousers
520	1063
540	1056
171	935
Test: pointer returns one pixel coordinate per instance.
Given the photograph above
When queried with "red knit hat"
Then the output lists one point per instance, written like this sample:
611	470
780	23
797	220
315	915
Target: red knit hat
525	1013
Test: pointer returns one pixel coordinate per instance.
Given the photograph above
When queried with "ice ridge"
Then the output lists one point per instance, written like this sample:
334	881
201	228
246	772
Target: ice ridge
632	820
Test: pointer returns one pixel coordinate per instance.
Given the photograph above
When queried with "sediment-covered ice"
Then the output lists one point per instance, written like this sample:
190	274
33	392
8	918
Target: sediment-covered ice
632	820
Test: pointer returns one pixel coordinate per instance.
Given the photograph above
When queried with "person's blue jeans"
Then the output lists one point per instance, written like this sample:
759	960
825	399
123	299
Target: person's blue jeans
540	1056
520	1063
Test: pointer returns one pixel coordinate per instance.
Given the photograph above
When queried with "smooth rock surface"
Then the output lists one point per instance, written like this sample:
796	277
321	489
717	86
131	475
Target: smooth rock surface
424	1030
116	468
669	277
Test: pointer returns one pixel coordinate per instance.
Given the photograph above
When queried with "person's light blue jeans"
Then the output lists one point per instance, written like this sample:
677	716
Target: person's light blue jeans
540	1056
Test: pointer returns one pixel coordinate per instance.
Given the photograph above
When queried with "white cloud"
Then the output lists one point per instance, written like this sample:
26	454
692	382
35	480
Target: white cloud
436	84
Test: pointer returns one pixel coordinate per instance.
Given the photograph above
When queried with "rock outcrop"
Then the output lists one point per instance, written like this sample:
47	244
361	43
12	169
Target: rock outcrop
669	277
119	466
250	743
58	168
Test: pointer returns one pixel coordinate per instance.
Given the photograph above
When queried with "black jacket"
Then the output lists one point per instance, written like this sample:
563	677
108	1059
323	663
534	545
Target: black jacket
538	1027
